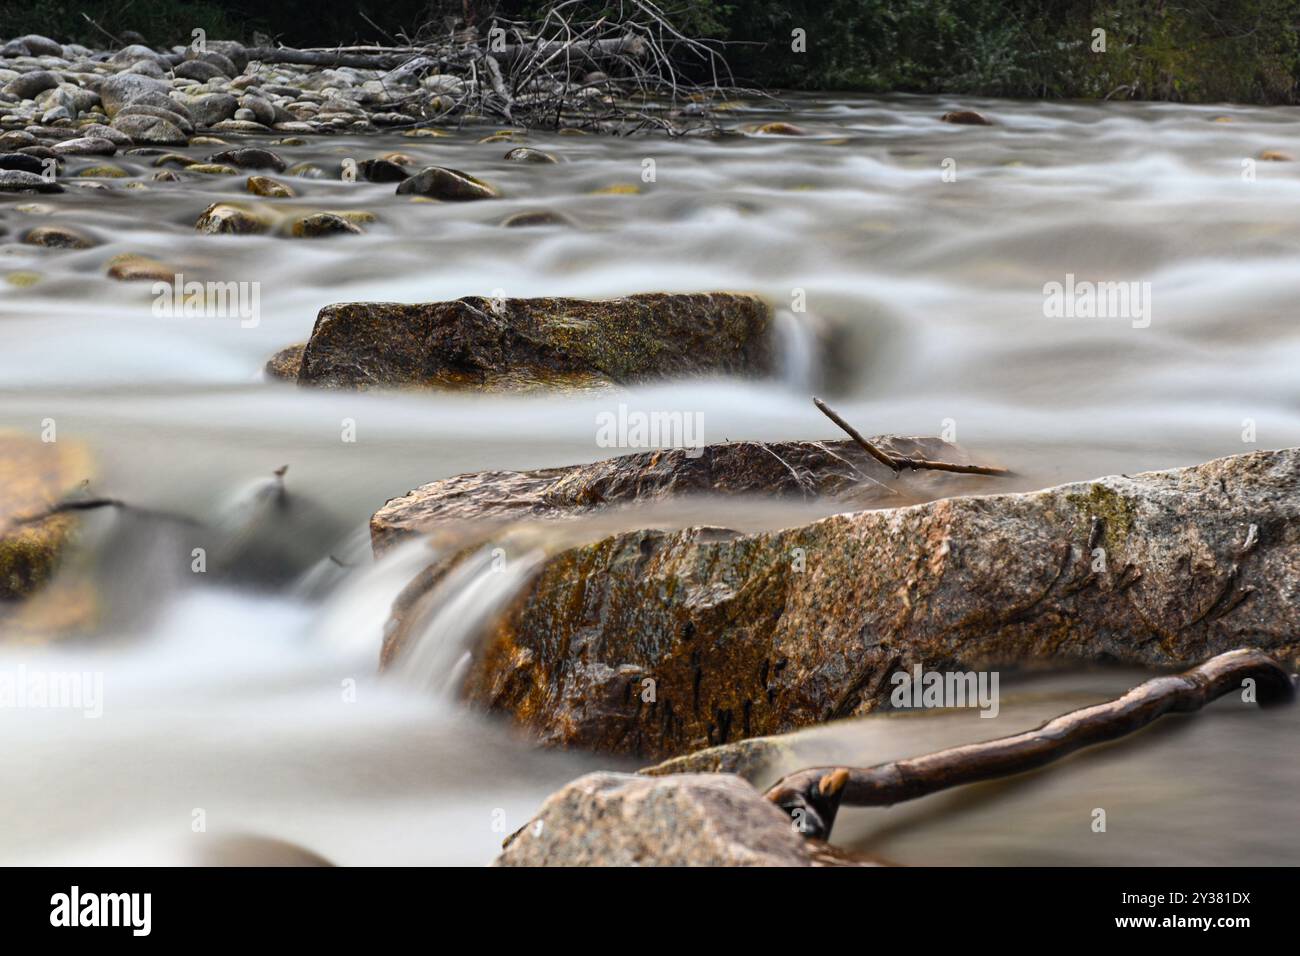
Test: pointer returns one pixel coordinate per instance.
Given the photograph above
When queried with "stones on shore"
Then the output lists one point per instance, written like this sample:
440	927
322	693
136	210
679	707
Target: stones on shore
484	343
198	70
754	634
616	819
117	91
149	129
20	181
209	109
86	146
449	185
23	162
27	86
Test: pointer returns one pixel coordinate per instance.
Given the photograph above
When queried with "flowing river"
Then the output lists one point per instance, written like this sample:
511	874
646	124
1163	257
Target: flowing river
257	709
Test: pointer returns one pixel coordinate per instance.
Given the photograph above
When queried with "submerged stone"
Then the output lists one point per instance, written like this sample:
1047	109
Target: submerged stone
802	470
59	237
451	185
34	476
268	187
538	217
526	154
230	219
966	118
321	224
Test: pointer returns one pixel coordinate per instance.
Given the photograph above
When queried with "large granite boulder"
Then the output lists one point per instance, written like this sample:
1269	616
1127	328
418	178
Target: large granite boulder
743	635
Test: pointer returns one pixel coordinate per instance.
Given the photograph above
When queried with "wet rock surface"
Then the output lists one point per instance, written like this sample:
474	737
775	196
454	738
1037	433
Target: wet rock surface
799	469
513	343
34	476
747	635
612	819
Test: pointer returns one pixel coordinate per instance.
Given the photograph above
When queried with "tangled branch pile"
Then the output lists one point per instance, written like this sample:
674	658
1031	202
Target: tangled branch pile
619	74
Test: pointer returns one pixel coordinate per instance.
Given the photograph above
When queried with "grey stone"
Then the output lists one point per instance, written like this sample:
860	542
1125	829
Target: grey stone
29	85
150	130
86	146
16	181
208	109
120	89
616	819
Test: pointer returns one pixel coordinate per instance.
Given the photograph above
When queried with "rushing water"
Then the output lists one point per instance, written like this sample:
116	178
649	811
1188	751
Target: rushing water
261	707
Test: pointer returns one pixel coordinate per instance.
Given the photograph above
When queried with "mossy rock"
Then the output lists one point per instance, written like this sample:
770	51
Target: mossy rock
130	267
756	634
449	185
322	224
105	171
59	237
230	218
212	169
474	342
268	187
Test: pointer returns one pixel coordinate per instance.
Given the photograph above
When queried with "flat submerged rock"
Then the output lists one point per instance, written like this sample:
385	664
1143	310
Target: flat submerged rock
511	343
800	469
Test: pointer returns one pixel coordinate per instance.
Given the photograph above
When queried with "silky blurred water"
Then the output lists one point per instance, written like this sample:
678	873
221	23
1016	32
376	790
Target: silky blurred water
225	698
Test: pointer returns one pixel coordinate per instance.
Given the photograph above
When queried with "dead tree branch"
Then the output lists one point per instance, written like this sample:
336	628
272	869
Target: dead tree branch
814	795
624	72
899	463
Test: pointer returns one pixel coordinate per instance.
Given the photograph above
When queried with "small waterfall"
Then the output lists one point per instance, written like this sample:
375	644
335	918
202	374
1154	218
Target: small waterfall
799	352
463	604
354	615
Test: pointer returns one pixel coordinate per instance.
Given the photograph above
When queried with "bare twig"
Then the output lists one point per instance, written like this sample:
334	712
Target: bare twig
116	41
898	463
535	73
814	795
853	433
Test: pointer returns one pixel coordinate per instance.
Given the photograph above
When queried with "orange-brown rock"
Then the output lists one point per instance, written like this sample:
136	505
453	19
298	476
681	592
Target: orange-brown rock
738	635
34	476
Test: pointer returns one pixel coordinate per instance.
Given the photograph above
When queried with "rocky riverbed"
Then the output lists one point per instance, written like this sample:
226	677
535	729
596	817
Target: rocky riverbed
543	399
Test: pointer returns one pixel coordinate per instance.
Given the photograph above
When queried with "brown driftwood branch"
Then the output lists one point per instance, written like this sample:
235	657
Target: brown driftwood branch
814	795
91	504
898	463
621	73
387	59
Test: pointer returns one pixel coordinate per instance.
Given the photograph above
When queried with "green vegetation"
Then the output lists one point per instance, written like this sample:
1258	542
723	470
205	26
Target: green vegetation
1235	50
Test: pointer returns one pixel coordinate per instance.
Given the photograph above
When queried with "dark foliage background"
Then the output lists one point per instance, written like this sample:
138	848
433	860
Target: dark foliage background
1196	50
